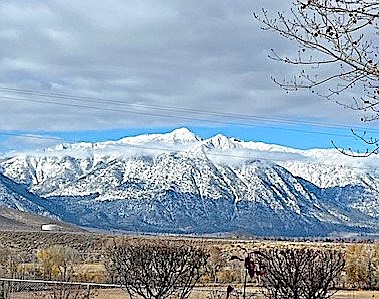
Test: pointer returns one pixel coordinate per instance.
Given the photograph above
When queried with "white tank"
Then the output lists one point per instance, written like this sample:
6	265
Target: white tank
51	227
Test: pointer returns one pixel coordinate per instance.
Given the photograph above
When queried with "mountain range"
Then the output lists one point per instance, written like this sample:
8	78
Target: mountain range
179	183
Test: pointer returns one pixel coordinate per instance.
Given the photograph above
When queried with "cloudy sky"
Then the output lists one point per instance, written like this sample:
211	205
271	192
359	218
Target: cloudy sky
140	66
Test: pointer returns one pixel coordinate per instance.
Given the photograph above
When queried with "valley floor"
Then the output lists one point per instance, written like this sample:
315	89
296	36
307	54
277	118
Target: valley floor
207	294
91	245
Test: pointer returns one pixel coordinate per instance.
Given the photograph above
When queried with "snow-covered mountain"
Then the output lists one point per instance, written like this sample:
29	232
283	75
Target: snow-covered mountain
177	182
16	196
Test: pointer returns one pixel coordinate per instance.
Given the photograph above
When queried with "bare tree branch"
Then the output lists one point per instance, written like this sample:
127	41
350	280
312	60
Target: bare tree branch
334	37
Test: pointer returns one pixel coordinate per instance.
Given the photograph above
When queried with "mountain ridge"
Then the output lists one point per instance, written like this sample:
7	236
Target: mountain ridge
179	182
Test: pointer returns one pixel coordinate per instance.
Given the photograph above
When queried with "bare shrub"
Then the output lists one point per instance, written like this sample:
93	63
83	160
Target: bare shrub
157	269
299	273
62	291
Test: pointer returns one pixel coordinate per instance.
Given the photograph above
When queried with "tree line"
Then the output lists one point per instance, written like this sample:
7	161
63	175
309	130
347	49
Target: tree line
171	268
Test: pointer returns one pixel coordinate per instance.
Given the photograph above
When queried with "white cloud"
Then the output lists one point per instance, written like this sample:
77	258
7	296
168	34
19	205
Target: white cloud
26	143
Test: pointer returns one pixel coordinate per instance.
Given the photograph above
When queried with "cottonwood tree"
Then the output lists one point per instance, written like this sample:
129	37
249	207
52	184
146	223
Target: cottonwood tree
157	269
299	273
337	52
362	266
58	262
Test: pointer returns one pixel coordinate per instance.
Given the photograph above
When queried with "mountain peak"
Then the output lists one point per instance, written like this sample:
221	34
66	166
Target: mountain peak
181	131
180	135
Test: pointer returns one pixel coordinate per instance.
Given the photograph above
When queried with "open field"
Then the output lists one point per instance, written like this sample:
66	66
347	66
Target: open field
253	294
92	243
356	295
91	267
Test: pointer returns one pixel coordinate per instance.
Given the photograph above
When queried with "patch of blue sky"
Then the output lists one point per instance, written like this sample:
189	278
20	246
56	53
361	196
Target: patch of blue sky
294	136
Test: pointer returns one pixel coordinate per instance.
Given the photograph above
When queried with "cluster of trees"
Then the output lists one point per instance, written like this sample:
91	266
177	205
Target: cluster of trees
160	269
57	262
166	268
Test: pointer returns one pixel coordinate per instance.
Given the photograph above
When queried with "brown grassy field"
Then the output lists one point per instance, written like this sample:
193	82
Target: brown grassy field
208	294
199	294
91	246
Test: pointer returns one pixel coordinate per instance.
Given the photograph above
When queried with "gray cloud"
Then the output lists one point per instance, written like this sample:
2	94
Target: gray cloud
208	56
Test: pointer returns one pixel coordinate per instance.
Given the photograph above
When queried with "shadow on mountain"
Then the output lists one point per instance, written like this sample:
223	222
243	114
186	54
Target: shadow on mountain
186	213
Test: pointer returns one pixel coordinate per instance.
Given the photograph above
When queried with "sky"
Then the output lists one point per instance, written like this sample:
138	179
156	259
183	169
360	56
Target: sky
100	70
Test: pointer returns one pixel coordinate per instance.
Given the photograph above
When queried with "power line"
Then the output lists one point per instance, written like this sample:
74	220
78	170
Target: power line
173	116
176	109
34	136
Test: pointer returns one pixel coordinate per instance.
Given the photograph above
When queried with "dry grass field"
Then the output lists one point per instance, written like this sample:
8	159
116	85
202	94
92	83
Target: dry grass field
91	246
199	294
207	294
356	295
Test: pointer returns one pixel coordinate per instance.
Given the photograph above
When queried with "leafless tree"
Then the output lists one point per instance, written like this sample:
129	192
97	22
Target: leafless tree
337	52
299	273
157	268
331	32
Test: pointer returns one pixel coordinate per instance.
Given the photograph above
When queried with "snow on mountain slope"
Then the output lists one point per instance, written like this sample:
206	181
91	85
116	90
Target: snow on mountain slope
178	136
15	196
178	182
